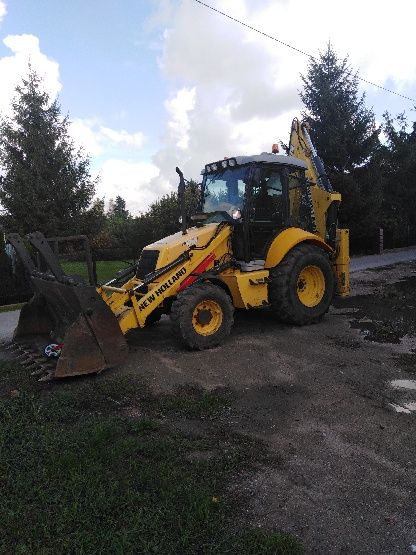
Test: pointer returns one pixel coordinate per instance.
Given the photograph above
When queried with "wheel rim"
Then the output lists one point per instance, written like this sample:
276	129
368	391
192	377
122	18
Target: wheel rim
207	317
311	286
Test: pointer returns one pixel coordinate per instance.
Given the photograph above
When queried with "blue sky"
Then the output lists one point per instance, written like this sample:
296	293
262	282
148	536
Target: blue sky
151	84
107	57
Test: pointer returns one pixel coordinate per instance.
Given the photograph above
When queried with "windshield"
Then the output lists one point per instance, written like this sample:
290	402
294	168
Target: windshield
224	191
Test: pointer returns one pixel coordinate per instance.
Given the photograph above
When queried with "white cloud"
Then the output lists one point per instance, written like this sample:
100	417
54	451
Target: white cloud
178	108
119	174
84	136
132	181
123	137
234	91
3	10
25	49
96	139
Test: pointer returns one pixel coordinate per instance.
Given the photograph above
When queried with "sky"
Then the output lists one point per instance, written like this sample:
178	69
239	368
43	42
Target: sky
153	84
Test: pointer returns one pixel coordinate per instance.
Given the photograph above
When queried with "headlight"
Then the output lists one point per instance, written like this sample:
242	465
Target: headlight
224	163
214	167
232	162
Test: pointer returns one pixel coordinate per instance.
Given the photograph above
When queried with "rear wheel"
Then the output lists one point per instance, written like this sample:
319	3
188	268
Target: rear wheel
302	286
202	316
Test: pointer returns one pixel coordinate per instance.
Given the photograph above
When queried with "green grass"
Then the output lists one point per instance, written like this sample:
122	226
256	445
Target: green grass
106	269
10	307
193	403
79	475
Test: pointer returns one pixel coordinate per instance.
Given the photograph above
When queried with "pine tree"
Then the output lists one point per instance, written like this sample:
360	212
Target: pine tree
344	132
46	183
118	208
343	128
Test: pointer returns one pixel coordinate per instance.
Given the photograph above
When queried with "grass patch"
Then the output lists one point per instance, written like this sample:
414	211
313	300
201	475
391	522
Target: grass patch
193	403
106	269
77	475
11	307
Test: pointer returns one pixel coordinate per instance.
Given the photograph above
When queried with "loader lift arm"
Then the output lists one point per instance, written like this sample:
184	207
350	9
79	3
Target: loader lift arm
136	299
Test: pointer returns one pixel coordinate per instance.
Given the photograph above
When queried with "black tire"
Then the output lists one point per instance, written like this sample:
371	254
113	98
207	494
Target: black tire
204	327
287	286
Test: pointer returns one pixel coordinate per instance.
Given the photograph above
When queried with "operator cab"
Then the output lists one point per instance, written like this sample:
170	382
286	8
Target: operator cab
260	196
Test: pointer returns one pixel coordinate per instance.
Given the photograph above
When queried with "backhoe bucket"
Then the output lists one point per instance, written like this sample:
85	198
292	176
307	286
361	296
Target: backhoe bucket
71	316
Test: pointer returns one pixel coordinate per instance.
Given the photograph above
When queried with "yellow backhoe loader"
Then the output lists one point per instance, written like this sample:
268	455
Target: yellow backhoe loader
265	235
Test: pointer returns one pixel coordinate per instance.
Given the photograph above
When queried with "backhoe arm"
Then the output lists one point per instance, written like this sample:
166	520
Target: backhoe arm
325	202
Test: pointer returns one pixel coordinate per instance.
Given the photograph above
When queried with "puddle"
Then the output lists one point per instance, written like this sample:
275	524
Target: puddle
403	384
406	408
387	315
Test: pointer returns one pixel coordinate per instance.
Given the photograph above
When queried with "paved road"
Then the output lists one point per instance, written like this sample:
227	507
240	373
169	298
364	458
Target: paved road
386	259
8	321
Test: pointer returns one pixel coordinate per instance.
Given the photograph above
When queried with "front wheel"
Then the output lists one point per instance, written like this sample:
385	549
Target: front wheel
202	316
302	286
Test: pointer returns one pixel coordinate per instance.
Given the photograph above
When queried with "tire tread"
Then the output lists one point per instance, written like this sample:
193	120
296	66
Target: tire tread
280	287
180	319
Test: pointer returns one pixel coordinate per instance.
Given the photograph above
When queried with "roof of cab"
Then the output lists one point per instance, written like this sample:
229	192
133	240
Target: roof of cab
267	158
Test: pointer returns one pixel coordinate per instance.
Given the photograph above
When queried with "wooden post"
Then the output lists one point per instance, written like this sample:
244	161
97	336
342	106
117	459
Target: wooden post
380	240
92	271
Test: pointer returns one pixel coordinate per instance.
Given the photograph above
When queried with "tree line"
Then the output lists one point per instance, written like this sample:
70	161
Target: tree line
373	167
46	182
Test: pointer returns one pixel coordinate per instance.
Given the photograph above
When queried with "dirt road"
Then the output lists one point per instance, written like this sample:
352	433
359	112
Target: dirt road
321	398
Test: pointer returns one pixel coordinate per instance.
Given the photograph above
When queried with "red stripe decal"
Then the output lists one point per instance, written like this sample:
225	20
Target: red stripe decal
198	270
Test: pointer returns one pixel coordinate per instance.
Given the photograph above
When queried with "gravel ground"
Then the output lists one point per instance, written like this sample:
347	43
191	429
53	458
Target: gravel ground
320	398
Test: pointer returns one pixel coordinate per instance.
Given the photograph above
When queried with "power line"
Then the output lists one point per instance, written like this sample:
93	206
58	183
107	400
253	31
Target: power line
297	49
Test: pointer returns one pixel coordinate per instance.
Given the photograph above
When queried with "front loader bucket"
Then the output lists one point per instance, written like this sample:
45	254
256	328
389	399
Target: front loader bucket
71	315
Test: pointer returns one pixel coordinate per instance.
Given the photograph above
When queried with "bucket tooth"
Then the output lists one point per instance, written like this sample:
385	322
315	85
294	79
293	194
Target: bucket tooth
21	357
34	359
15	348
47	377
32	366
39	371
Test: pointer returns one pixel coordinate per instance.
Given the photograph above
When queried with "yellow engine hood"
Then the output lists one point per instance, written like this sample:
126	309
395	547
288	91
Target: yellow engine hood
172	246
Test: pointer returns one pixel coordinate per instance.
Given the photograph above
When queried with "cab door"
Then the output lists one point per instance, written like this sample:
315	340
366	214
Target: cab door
268	207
